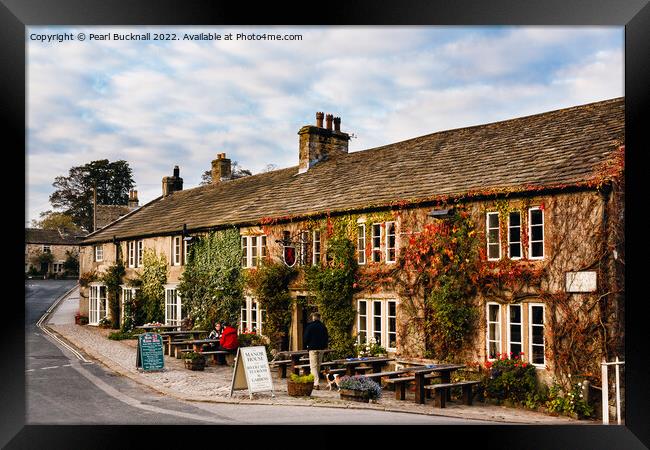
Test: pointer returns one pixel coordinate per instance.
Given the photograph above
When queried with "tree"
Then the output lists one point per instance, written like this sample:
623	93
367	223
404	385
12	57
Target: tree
236	170
74	193
51	220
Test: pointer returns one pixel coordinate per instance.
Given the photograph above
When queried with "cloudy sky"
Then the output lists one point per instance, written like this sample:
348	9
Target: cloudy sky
158	104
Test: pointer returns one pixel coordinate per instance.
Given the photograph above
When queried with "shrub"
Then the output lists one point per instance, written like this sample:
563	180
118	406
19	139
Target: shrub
370	348
105	323
568	403
361	383
302	379
511	379
193	356
121	335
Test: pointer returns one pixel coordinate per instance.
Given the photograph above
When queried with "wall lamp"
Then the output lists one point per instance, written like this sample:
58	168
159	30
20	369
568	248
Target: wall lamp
442	213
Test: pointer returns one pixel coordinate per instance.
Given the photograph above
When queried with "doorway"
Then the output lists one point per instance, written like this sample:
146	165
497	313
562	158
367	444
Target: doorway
303	316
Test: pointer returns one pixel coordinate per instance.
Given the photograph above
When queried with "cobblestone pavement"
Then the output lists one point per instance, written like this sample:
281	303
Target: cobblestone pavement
213	385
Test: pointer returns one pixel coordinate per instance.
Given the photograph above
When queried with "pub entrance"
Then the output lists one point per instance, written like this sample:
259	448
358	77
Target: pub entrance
304	312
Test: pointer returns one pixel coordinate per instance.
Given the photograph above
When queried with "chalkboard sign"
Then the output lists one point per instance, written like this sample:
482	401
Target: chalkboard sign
252	371
150	352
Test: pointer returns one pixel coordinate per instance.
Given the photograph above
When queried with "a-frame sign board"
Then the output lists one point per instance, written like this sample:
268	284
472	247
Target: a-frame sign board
252	371
149	355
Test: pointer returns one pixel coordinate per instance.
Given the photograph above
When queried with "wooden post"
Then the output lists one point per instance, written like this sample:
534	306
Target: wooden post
605	386
618	393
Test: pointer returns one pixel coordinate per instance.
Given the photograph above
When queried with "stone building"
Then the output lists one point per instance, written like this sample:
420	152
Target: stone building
40	242
544	194
105	214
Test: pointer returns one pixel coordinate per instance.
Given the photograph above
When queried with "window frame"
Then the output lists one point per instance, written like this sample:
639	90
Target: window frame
97	288
361	250
509	324
521	247
124	288
315	249
247	249
176	256
47	248
376	250
246	312
530	233
530	334
487	234
99	247
185	251
131	252
178	306
387	239
384	320
498	328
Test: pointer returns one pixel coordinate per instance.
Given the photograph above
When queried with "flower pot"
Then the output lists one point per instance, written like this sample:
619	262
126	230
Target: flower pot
355	395
299	389
195	364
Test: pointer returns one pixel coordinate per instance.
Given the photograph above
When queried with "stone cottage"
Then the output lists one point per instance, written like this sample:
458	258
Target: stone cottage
542	196
40	243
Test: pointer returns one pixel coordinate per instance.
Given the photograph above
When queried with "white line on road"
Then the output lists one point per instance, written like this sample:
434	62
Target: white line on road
49	367
110	390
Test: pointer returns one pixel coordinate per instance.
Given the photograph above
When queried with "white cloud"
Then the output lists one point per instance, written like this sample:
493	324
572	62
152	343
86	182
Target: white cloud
157	105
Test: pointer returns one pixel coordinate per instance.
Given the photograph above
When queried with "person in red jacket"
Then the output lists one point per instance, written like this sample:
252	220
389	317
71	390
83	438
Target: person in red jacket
228	341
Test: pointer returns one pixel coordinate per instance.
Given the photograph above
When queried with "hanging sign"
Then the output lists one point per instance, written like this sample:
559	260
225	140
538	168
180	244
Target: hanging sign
581	281
252	371
289	255
149	356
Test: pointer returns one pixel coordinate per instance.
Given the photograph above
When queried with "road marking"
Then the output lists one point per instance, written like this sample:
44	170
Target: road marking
49	367
29	370
39	324
110	390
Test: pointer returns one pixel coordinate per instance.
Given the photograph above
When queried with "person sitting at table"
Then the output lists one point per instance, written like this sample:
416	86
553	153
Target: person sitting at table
228	341
216	335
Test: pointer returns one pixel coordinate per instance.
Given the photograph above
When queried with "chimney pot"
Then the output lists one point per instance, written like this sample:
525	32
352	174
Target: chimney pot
319	119
173	183
328	121
337	124
176	171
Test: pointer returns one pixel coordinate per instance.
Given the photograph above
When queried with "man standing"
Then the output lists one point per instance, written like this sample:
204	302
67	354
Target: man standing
315	340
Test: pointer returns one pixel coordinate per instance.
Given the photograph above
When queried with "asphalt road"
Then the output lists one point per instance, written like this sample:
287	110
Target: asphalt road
61	389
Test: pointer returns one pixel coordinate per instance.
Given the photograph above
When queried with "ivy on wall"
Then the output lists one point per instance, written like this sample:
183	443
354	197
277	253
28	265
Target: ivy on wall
332	286
211	286
112	278
152	291
270	285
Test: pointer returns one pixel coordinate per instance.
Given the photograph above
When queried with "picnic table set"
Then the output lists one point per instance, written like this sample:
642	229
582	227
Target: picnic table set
371	368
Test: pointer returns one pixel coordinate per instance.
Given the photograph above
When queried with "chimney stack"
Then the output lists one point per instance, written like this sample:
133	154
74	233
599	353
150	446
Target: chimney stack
328	121
173	183
133	199
221	168
318	144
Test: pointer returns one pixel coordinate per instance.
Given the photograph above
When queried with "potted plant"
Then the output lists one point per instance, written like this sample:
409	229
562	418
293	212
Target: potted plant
359	389
194	361
300	386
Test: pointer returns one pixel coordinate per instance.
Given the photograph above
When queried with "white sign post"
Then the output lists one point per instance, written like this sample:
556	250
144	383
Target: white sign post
252	371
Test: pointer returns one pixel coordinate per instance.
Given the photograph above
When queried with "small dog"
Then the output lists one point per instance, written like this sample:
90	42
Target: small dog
332	380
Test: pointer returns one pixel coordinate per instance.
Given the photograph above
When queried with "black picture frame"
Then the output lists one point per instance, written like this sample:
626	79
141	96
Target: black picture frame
634	15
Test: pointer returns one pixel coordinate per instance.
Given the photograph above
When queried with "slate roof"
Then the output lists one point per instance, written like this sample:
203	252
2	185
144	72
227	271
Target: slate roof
109	213
558	148
52	237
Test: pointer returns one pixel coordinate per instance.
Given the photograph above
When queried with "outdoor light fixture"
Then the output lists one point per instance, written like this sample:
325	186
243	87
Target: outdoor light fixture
442	213
185	236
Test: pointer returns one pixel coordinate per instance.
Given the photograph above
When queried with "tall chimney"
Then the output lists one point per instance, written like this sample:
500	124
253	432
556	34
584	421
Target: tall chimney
328	121
133	198
318	144
221	168
173	183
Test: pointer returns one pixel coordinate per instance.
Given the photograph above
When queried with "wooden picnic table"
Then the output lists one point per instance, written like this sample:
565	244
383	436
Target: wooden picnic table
171	342
445	371
352	363
157	327
419	373
197	344
297	354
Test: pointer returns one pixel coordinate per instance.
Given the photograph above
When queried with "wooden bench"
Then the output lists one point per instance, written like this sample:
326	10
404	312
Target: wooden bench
401	382
282	367
441	391
214	354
